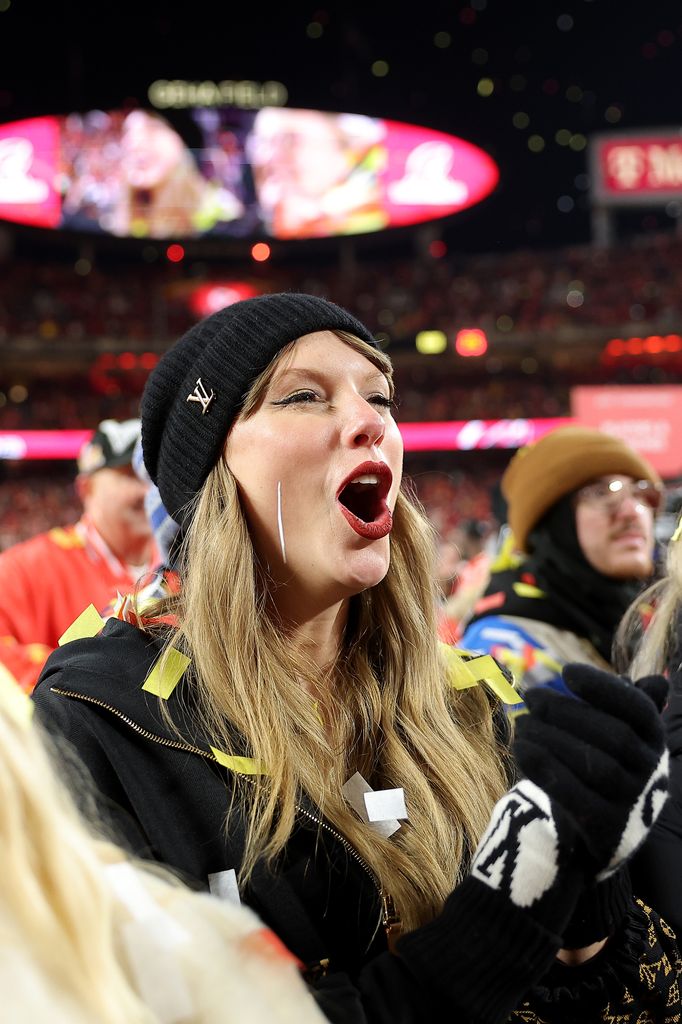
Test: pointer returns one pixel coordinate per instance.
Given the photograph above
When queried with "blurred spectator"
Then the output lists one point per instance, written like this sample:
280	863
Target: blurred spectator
581	507
471	578
46	582
645	646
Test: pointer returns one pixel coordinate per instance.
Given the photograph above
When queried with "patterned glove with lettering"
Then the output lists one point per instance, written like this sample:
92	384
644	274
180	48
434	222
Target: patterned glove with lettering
596	778
527	854
516	904
527	876
601	758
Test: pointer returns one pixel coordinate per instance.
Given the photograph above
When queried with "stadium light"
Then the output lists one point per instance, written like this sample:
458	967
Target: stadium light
431	343
260	252
175	253
471	342
652	345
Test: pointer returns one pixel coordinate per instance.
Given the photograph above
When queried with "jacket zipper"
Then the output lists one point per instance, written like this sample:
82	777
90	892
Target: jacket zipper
390	918
174	744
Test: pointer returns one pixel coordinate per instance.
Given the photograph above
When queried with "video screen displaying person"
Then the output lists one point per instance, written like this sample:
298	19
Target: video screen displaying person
281	172
134	175
318	174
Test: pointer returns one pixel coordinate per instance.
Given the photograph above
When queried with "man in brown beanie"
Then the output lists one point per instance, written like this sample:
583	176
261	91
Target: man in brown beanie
581	507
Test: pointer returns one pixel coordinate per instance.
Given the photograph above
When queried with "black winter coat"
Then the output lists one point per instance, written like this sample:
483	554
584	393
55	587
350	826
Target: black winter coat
167	798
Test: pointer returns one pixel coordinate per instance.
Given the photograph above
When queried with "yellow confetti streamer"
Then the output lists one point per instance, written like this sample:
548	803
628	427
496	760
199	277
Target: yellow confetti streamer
460	678
528	590
88	623
483	669
486	670
166	673
243	765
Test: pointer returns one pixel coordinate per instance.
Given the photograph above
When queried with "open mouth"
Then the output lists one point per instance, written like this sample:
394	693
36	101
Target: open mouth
362	500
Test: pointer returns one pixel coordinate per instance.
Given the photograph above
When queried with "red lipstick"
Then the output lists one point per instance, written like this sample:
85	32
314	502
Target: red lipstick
362	500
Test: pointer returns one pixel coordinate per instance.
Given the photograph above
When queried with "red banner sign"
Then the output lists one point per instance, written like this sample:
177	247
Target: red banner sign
647	417
470	435
42	444
455	435
634	168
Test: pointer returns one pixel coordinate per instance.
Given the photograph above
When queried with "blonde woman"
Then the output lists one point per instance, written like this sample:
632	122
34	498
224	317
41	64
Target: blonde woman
163	194
645	643
88	936
289	723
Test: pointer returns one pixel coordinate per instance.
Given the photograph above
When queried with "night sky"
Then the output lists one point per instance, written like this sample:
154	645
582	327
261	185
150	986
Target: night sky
506	75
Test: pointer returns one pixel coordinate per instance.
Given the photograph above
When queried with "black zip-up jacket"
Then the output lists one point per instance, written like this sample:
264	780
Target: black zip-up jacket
167	797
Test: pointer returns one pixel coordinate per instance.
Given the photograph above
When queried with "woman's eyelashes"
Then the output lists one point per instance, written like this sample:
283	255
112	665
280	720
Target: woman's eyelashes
385	401
307	397
297	398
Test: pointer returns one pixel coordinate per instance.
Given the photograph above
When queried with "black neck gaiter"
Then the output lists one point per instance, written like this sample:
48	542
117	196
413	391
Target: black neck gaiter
578	597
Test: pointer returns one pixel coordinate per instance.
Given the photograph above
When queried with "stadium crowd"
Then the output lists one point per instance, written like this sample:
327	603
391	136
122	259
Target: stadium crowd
630	285
425	391
35	502
511	296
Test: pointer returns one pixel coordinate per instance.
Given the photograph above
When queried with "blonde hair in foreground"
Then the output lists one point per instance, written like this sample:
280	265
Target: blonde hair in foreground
56	910
65	931
389	709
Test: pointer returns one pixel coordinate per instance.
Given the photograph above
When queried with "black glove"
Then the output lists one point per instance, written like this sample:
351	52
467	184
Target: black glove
516	905
656	687
527	855
602	759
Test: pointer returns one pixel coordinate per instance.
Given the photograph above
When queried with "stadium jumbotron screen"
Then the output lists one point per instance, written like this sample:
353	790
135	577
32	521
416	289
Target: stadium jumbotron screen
277	172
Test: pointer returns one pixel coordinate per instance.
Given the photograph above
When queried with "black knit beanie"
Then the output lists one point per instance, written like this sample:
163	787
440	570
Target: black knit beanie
197	389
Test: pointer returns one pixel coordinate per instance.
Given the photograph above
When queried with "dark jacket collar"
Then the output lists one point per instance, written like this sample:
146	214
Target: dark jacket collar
109	669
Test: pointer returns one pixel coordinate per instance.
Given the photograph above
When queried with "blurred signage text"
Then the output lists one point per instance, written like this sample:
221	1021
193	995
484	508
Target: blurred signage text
245	94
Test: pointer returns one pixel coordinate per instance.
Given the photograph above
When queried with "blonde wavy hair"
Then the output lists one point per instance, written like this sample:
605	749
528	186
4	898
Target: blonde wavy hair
64	941
639	651
386	708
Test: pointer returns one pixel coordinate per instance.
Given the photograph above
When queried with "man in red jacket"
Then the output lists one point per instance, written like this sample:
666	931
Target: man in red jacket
47	581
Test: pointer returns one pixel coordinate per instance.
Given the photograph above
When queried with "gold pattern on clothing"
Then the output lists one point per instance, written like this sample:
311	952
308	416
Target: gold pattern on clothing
655	1001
